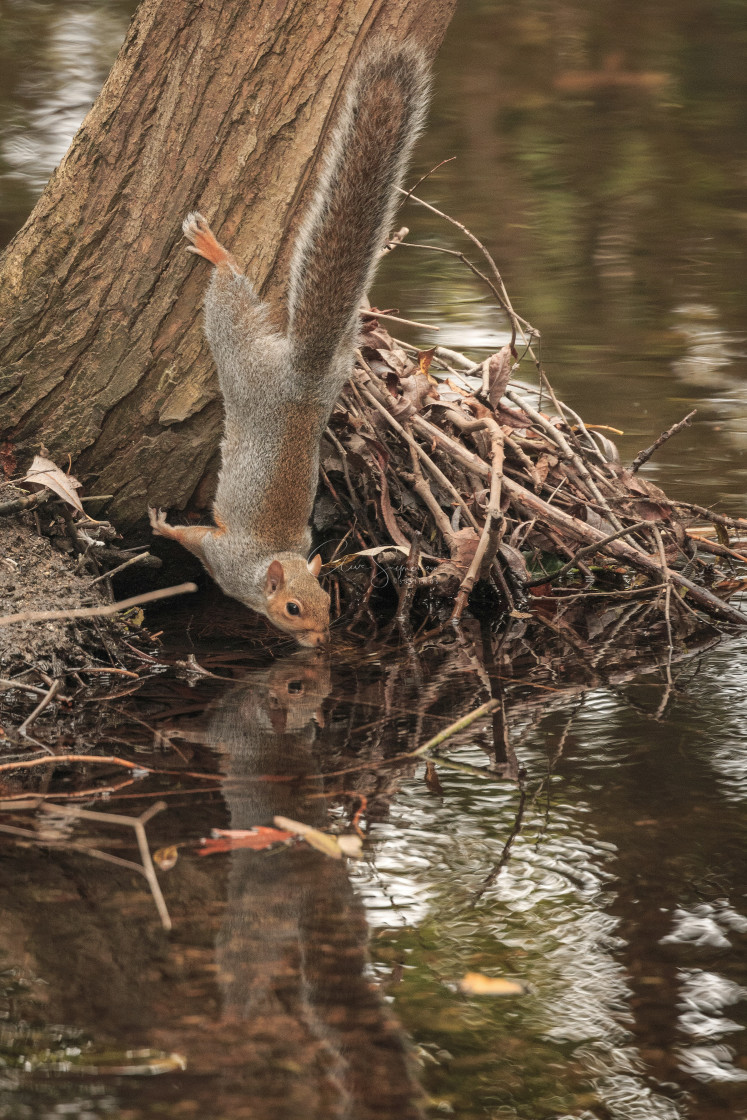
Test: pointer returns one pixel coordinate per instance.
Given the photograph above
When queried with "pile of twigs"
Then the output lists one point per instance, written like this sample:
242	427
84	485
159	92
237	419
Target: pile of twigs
474	475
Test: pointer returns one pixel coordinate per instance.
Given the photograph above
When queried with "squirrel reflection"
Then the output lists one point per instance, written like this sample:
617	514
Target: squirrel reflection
291	951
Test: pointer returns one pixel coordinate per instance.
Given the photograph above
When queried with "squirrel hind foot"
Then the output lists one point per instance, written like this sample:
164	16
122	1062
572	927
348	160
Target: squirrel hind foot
193	224
204	242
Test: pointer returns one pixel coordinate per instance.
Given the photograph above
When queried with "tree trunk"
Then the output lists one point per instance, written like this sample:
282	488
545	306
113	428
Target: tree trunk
221	108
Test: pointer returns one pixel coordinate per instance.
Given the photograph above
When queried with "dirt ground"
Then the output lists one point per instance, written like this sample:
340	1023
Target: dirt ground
37	576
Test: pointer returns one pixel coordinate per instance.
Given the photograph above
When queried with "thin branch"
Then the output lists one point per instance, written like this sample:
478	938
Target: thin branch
588	550
54	689
138	824
409	194
410	581
643	456
454	729
473	268
369	313
99	612
30	501
121	567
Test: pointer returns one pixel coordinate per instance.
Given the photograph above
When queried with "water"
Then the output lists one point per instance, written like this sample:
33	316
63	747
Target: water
592	845
610	881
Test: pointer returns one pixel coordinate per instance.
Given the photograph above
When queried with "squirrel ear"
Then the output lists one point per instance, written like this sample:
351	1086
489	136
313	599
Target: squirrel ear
275	578
315	565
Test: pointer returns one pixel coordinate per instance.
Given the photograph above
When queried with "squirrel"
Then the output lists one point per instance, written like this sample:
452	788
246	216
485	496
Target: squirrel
279	389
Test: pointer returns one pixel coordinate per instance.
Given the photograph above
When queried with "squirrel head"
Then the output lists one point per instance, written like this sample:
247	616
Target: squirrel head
294	600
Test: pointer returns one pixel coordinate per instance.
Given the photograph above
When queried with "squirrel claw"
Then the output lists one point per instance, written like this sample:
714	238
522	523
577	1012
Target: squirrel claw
204	243
157	518
193	225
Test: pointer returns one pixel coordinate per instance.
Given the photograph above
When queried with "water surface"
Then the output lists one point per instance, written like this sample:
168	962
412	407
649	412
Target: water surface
593	848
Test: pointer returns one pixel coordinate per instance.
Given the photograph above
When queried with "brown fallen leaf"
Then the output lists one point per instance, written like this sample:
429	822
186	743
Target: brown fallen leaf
43	472
465	545
498	368
432	780
476	984
425	357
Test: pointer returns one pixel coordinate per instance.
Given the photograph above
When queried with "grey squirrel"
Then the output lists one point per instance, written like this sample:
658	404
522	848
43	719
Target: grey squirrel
279	390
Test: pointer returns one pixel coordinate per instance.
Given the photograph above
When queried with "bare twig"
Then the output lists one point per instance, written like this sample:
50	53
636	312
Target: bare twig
99	612
410	581
54	689
454	729
409	194
473	268
138	559
31	501
643	456
516	321
367	312
587	551
138	824
490	539
105	759
667	578
6	684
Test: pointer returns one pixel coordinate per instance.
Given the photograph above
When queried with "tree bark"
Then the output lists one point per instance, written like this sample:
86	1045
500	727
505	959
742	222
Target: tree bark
220	107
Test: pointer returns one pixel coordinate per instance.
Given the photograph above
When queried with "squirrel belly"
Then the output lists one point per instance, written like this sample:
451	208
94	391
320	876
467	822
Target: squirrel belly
279	390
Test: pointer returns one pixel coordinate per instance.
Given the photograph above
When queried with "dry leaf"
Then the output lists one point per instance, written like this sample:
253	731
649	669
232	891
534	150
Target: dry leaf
607	447
43	472
476	984
165	858
465	547
498	368
515	561
425	357
431	778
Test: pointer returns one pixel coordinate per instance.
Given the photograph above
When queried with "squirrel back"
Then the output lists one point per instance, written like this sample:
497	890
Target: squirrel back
279	390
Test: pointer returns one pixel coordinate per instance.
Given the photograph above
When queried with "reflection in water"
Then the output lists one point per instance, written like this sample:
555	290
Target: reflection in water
559	845
703	997
710	349
291	952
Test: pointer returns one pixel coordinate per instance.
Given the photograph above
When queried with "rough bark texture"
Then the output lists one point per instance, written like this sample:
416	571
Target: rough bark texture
220	107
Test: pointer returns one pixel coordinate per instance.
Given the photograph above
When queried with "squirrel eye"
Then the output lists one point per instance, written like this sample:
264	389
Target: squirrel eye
292	607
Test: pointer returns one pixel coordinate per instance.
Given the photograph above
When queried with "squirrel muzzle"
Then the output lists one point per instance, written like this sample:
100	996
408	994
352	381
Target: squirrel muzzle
294	600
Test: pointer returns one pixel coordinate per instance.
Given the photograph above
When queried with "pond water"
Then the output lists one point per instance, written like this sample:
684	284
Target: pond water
586	840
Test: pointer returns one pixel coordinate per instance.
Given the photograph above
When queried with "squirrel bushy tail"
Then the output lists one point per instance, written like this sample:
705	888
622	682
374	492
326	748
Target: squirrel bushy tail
353	207
278	391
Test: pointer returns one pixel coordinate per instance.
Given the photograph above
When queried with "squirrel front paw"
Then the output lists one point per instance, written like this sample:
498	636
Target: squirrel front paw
157	518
